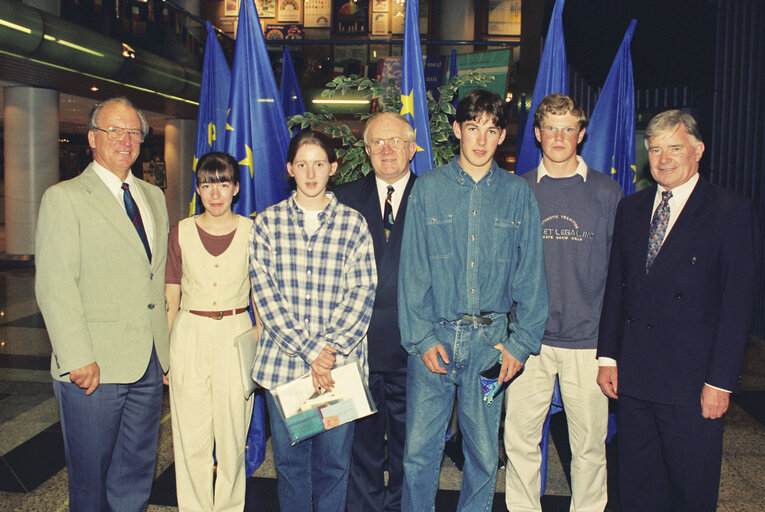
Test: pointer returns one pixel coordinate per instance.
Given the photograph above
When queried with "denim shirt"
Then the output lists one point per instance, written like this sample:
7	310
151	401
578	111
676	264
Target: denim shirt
469	248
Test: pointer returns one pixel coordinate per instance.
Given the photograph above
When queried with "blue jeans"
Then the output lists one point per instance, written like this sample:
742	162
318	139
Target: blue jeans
313	474
430	398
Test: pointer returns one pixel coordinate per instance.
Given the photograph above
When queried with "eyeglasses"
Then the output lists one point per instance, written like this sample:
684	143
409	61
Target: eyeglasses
115	134
377	145
552	131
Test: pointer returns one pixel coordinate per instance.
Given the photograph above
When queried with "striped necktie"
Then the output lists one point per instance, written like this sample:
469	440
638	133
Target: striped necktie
134	214
388	213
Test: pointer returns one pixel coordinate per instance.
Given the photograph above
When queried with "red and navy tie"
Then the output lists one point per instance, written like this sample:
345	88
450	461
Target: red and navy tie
134	214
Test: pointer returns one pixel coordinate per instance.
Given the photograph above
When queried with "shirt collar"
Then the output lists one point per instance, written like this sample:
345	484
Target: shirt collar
326	213
398	186
462	177
110	179
581	170
681	193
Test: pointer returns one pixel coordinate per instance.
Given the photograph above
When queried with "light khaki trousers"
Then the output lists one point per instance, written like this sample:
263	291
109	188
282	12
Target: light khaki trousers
527	402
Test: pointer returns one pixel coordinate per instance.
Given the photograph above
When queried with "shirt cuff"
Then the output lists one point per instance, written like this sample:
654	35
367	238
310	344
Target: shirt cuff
606	361
715	387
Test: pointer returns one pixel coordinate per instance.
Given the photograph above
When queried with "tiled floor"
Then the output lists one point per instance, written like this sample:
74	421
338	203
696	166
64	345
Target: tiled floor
33	474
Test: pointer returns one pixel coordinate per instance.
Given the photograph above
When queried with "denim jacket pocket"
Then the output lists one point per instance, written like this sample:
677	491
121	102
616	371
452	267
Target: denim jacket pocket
440	236
505	239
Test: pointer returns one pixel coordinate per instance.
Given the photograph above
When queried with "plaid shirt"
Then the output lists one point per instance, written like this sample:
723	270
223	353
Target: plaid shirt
310	290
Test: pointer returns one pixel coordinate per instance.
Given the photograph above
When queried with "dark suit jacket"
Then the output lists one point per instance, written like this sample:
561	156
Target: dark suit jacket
686	322
384	338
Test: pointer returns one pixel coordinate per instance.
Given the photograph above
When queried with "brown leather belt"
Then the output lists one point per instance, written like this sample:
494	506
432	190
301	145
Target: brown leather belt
217	315
481	319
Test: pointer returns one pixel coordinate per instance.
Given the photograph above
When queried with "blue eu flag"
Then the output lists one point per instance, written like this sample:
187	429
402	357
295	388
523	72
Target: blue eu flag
414	103
257	136
551	77
213	102
610	143
256	133
292	100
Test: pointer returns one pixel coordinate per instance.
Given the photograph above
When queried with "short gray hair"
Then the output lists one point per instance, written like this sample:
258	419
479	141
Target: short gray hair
393	115
122	101
668	120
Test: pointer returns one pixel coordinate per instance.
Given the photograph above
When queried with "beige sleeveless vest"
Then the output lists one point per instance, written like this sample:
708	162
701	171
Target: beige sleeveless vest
214	283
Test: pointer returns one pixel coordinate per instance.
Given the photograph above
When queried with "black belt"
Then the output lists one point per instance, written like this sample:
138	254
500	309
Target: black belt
481	318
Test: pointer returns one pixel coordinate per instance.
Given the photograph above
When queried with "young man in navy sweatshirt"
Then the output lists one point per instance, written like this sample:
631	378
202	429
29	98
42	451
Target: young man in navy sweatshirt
577	206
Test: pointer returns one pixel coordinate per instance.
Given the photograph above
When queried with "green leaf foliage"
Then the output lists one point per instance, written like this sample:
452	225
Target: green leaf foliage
353	161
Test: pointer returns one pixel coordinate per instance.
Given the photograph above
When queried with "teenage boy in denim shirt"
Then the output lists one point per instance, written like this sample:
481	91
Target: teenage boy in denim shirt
472	248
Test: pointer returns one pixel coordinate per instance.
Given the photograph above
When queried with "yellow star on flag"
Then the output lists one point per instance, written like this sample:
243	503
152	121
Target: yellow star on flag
415	141
193	203
248	160
210	134
407	104
228	126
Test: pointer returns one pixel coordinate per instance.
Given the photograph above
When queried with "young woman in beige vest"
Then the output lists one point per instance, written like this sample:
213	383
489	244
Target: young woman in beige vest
207	297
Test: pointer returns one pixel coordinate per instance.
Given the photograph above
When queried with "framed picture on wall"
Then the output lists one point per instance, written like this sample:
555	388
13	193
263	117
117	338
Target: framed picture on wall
397	18
350	16
231	8
266	8
289	11
317	13
504	17
380	24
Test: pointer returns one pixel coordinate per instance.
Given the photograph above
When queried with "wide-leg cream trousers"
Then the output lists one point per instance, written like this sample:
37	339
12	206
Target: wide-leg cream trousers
209	412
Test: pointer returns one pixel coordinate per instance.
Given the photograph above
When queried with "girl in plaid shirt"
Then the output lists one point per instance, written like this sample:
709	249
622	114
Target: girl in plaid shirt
313	277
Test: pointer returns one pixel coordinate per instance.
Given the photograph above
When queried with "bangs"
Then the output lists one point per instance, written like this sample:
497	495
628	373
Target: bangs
215	175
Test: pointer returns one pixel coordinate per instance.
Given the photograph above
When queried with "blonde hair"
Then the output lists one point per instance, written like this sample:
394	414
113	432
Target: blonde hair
559	104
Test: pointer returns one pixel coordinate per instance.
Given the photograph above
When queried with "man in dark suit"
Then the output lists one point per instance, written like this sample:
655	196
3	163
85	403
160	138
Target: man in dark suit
100	255
381	198
676	315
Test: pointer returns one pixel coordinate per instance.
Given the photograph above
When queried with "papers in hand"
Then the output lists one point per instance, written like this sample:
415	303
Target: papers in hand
306	413
247	345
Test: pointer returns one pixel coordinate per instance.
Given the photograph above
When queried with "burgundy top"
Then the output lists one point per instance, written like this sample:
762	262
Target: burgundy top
215	245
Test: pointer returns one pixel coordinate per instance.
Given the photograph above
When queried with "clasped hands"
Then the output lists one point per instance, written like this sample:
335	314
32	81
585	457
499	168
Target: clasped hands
321	370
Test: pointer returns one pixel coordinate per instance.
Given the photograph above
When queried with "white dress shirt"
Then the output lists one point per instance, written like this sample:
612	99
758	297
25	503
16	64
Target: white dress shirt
114	185
680	195
398	193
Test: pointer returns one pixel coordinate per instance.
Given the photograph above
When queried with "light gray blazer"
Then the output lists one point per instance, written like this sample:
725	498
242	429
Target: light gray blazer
100	297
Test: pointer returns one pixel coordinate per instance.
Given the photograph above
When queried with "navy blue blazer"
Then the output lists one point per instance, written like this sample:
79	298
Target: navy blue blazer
384	338
685	323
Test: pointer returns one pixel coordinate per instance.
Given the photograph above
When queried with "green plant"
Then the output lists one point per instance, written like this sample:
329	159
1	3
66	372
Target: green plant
353	159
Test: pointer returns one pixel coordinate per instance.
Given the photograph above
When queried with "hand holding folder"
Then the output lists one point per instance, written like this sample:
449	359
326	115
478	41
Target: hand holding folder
307	411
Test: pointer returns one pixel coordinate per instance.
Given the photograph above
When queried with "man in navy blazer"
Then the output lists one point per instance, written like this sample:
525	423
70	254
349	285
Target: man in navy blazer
676	315
389	140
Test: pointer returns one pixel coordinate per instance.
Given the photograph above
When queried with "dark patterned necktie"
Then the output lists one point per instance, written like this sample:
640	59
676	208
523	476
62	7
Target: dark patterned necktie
658	229
134	214
388	213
